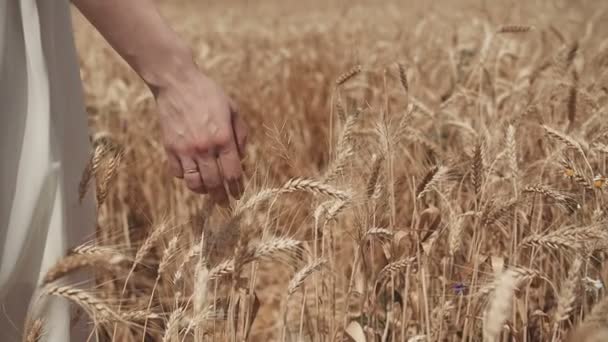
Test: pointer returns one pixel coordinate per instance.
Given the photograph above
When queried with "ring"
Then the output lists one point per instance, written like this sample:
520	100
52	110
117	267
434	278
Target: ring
191	171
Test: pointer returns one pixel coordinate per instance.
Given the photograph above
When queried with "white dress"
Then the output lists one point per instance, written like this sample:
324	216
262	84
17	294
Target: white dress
44	146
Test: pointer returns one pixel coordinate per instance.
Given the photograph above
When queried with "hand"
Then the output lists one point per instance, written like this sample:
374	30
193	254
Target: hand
204	136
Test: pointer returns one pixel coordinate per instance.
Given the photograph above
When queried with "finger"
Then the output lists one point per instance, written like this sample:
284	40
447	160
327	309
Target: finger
240	132
192	176
212	179
234	107
230	165
175	167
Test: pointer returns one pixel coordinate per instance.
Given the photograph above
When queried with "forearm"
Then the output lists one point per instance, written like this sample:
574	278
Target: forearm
135	29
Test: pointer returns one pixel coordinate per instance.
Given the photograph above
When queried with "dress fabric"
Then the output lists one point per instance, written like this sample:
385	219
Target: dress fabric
44	147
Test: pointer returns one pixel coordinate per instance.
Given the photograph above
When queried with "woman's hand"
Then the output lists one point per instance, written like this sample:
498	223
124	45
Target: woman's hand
204	136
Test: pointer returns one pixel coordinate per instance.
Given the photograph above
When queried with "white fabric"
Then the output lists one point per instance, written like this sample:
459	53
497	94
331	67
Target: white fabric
43	150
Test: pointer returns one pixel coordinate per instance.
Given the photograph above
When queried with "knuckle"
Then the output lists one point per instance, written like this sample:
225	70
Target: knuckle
201	147
212	182
222	138
173	148
182	149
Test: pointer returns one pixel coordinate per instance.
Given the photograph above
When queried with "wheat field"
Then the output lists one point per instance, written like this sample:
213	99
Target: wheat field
416	171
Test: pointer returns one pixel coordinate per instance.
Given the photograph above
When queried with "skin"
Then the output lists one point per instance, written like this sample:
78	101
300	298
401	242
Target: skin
203	135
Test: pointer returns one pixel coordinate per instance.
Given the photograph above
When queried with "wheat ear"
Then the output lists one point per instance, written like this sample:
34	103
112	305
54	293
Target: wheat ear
75	262
455	232
431	180
93	305
345	77
568	293
499	307
273	247
512	151
477	168
35	331
150	242
299	278
193	252
581	239
344	149
109	175
403	77
559	197
515	29
564	139
172	328
167	256
395	266
295	184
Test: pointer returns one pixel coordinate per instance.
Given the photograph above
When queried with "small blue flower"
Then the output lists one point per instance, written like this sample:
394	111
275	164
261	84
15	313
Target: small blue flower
459	288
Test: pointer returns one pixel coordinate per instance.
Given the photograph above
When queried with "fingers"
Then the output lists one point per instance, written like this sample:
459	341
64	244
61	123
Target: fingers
192	176
209	157
212	178
175	167
230	165
239	130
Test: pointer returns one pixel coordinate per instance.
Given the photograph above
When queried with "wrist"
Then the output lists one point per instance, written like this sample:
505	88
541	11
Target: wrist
169	69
